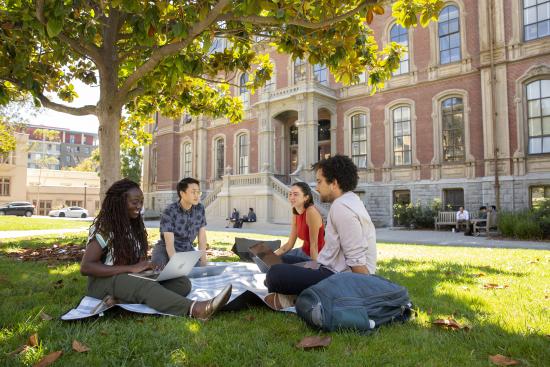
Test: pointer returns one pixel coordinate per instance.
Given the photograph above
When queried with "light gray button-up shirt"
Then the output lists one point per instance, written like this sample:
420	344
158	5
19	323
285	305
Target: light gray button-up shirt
350	237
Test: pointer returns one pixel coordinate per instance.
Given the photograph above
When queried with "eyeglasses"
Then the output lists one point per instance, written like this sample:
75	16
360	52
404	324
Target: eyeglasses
195	192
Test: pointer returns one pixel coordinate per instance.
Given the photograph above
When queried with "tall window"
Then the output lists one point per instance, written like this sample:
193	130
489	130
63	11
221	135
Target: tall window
399	35
359	140
243	91
536	19
402	148
187	160
220	157
453	198
452	112
4	186
293	132
71	139
449	35
539	194
242	154
320	74
300	68
270	84
538	115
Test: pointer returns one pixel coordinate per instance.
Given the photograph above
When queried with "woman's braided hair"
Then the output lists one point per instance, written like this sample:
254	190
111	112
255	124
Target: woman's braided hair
124	233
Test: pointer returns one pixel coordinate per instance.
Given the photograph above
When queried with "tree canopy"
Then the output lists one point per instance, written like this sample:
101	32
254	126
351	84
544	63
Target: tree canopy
149	56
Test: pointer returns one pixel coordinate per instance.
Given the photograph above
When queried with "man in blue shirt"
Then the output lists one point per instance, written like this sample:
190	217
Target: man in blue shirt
181	223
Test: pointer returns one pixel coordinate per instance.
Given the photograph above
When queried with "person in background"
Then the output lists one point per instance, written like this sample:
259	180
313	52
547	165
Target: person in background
233	218
462	219
251	216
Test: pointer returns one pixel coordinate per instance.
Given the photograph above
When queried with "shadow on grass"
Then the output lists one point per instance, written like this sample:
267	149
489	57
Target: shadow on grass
121	338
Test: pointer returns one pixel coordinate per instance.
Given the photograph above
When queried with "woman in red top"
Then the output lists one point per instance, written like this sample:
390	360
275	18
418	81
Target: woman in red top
307	225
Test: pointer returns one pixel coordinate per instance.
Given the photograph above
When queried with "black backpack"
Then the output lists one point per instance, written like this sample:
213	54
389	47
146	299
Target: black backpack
353	301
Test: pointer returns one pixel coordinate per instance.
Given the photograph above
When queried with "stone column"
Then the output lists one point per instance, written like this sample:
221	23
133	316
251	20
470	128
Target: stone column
266	141
307	133
201	152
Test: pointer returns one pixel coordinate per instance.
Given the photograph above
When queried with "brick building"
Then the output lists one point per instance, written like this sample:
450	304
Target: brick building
465	119
68	147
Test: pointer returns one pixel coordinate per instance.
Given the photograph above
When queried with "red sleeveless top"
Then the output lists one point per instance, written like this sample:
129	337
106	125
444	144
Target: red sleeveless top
302	230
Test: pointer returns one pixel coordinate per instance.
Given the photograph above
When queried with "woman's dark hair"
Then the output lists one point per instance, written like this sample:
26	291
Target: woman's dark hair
306	190
184	183
340	168
123	233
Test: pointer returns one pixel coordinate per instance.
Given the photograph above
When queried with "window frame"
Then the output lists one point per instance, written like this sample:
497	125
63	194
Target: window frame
394	136
524	25
449	34
407	60
443	129
299	70
541	117
352	129
242	148
187	159
5	186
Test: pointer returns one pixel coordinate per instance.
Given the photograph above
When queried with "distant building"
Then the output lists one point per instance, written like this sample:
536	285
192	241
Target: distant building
465	119
67	147
46	188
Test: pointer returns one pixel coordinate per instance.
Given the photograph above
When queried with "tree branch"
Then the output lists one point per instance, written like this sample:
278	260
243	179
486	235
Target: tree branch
259	20
76	111
86	50
172	48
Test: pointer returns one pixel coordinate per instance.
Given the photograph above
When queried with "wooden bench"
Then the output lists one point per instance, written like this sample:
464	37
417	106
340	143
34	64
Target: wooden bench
445	219
485	226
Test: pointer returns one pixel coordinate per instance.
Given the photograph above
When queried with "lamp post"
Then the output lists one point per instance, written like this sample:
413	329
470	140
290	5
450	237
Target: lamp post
85	188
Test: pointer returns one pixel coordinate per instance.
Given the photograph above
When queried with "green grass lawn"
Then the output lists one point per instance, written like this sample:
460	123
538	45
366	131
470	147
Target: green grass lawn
443	282
13	223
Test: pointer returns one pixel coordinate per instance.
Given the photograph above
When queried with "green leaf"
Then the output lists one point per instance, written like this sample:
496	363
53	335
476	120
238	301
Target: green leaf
54	27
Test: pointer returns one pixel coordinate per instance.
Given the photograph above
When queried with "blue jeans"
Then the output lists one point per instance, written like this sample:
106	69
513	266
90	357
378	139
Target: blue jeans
292	279
296	255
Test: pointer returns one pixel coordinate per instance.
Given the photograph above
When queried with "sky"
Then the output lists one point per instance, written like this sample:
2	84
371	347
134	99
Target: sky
89	123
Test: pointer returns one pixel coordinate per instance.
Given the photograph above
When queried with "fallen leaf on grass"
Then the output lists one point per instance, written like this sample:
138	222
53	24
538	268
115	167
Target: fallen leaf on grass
79	347
429	312
533	261
250	318
478	275
311	342
49	359
19	350
501	360
494	286
44	316
33	340
450	324
465	287
58	284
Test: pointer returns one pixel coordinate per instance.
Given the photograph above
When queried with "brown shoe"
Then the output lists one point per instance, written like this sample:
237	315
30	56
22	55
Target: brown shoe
203	310
278	301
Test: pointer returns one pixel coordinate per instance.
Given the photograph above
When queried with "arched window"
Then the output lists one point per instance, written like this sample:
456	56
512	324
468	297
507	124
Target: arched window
243	90
402	147
187	160
320	74
359	140
242	154
536	19
220	157
400	35
300	66
538	116
449	35
452	118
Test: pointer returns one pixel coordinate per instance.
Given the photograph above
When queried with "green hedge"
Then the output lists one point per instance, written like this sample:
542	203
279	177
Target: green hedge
529	224
416	215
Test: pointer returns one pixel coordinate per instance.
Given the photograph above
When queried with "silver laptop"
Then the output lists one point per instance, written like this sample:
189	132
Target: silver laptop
206	271
179	265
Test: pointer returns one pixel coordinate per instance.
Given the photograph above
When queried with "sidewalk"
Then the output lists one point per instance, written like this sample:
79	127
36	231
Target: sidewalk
383	235
388	235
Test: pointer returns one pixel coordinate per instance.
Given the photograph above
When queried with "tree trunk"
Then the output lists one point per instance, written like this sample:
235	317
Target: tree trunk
109	146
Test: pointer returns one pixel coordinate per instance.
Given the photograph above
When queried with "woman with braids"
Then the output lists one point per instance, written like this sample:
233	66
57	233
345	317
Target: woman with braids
307	225
117	245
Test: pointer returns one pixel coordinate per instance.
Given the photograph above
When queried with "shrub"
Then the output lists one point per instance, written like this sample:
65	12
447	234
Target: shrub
415	215
525	224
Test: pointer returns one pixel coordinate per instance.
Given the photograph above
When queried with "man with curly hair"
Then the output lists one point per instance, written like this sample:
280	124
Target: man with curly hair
350	237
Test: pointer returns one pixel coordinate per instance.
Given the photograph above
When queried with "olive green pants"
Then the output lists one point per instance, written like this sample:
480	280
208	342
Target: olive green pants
166	297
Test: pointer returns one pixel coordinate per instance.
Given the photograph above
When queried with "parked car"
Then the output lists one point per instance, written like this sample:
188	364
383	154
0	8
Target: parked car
69	212
17	208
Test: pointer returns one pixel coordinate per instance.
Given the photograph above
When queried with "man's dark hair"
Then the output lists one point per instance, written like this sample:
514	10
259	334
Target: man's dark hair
184	184
340	168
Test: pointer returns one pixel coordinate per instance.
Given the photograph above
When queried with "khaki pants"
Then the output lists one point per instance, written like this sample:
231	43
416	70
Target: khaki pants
166	297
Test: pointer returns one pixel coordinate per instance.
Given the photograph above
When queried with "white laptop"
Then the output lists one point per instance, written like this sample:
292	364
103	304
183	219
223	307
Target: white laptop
179	265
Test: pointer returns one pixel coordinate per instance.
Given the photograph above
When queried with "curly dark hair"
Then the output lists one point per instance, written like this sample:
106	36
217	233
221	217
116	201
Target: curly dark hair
306	190
340	168
123	232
